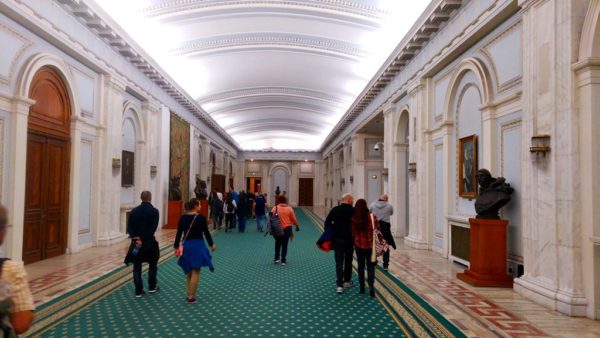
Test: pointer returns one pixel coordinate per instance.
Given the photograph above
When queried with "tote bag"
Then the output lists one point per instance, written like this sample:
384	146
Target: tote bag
276	228
380	246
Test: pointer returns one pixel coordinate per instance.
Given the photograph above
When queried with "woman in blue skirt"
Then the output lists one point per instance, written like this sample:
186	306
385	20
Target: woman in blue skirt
191	232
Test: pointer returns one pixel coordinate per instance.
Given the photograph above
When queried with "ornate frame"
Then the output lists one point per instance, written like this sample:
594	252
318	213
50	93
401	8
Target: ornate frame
467	174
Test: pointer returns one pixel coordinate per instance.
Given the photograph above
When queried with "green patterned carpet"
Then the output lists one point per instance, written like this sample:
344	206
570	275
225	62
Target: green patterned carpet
246	296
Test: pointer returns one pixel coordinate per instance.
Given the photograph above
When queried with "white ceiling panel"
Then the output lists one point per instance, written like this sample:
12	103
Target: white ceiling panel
274	74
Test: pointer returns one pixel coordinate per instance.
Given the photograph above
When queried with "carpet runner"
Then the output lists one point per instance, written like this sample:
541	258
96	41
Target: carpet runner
246	296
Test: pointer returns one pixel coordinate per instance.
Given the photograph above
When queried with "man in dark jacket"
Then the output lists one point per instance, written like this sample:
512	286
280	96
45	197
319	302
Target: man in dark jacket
340	219
141	226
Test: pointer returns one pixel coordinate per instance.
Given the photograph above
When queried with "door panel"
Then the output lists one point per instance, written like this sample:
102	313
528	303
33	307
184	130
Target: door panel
305	192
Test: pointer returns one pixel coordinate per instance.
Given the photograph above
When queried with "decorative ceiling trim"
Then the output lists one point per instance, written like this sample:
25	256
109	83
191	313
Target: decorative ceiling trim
269	91
271	41
288	155
432	20
259	125
319	110
349	8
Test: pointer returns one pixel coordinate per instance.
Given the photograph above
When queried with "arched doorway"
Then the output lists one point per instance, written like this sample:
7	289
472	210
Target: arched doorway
45	223
279	178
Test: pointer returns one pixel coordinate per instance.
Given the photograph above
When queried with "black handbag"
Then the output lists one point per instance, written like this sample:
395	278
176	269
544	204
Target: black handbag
275	224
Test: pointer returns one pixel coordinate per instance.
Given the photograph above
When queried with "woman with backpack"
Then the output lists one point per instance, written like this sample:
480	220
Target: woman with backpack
286	218
190	248
229	208
362	232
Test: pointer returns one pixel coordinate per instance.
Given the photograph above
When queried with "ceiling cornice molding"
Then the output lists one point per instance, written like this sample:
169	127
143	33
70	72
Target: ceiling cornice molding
100	23
272	155
269	91
242	107
348	8
430	22
269	41
248	128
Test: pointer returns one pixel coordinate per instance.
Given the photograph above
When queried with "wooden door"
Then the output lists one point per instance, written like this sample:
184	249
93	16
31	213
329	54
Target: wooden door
305	192
218	183
47	170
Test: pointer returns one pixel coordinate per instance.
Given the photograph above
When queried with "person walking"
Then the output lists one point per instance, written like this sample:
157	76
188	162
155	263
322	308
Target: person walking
189	246
242	211
16	300
216	210
362	231
287	217
382	211
141	226
340	220
259	211
229	209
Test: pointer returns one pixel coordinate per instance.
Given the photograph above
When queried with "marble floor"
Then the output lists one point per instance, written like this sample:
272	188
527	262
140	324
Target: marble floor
479	312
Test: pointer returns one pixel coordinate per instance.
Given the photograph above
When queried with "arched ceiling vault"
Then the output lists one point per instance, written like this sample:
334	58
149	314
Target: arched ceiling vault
275	74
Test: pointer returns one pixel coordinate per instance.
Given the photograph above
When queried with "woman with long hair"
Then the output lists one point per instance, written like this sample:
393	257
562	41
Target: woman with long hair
362	232
192	230
286	218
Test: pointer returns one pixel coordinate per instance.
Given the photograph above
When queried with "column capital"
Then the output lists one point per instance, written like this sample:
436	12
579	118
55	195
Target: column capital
415	87
151	106
115	83
389	109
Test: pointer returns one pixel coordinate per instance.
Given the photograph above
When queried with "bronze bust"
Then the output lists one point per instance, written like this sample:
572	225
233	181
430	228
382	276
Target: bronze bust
200	189
494	193
174	191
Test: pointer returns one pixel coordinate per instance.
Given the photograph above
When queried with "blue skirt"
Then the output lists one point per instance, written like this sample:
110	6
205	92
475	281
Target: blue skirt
195	255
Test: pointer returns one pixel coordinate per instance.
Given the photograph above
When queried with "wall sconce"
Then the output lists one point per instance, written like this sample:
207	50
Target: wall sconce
207	179
116	163
351	179
384	172
343	181
540	144
153	170
412	167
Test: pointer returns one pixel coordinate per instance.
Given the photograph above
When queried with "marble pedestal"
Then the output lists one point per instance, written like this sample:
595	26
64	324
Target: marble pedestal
487	254
175	209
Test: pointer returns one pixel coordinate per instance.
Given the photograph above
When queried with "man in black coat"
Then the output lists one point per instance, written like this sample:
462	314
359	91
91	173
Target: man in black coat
141	226
340	219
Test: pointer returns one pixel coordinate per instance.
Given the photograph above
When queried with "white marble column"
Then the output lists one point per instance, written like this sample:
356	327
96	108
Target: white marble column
319	187
17	176
420	149
358	148
588	86
110	140
551	223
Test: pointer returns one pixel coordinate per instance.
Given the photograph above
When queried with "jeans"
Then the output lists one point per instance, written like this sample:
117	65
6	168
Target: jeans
364	258
281	244
242	223
137	277
216	219
229	222
343	260
261	220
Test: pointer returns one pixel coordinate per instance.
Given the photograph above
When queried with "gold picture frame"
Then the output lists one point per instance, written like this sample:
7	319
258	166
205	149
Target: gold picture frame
467	167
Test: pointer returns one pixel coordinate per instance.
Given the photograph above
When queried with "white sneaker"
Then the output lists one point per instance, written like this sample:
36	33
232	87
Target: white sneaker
339	289
348	285
276	261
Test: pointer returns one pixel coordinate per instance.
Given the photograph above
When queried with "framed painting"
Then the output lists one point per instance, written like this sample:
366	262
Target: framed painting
128	158
467	167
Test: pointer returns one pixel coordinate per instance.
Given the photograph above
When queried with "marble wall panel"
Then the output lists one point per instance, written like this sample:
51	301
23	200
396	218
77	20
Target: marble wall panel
439	197
85	192
86	90
505	53
13	45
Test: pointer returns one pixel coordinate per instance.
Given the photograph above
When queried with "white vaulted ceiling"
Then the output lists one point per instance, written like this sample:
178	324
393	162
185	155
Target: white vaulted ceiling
274	74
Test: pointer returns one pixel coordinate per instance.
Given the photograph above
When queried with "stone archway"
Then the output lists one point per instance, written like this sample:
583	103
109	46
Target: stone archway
400	200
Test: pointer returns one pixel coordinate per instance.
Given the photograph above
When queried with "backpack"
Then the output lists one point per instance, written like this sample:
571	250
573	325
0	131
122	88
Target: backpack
275	228
6	294
230	207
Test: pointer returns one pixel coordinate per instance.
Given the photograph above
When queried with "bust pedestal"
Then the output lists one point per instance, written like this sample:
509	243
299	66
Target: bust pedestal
487	254
175	208
204	209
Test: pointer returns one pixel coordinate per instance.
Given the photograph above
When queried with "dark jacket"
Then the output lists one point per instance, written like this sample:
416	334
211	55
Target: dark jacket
142	223
340	219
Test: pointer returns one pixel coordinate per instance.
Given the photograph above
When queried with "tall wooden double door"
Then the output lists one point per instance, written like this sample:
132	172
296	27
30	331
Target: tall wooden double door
305	192
47	174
